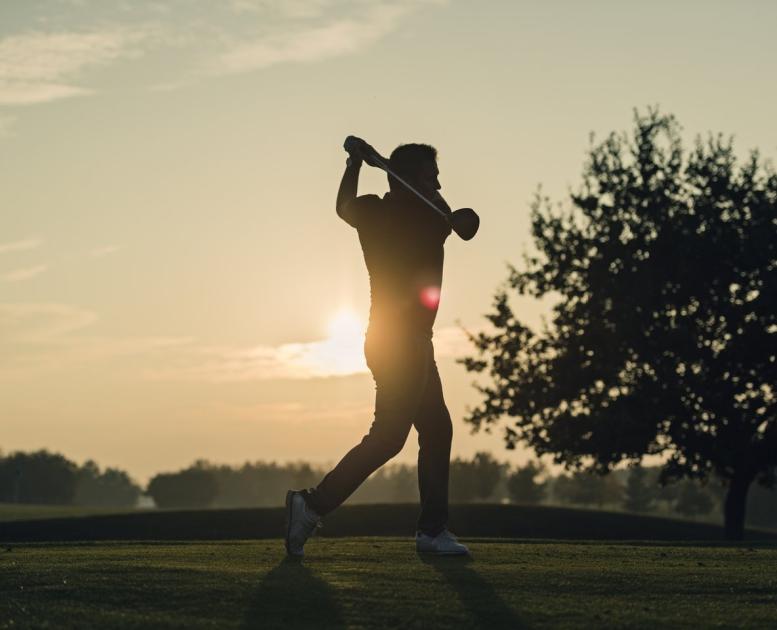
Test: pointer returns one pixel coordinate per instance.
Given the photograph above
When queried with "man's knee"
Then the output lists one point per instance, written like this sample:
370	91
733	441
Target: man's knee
387	444
446	432
438	430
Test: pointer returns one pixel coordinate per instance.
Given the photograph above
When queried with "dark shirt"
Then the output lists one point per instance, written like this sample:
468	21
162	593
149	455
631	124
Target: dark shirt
402	242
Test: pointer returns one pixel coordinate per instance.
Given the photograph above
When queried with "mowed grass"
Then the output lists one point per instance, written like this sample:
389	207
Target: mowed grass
383	583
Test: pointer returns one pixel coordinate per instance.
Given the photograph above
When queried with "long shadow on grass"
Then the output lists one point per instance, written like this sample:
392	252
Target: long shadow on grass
290	596
485	605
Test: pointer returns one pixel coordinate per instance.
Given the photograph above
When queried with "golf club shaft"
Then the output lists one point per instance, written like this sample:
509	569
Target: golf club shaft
382	164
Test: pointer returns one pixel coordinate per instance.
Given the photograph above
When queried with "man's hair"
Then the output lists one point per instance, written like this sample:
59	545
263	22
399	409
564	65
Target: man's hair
406	159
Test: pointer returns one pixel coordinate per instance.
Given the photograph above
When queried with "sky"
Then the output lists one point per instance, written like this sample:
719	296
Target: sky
174	281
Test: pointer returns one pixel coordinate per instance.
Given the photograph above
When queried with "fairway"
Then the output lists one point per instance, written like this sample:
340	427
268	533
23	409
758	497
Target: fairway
383	583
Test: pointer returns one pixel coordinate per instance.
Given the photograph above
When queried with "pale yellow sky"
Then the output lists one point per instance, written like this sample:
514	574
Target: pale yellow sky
170	259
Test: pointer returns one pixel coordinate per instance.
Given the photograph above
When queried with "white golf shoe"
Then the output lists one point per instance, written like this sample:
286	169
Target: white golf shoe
444	544
301	523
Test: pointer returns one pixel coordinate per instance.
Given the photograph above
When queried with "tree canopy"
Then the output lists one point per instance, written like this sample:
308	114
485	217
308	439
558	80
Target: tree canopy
663	337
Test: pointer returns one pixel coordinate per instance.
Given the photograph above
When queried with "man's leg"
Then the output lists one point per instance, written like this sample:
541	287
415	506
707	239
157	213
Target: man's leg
400	374
435	432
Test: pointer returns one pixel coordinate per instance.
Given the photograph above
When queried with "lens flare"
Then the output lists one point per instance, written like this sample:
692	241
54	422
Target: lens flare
430	297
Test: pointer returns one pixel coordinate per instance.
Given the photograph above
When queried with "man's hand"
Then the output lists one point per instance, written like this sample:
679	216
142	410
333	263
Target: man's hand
352	146
359	150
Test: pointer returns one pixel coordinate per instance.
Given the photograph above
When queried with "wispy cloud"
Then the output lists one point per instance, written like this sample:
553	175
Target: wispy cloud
38	336
295	9
17	275
35	336
294	413
20	246
216	364
38	322
37	67
309	43
452	342
207	38
316	359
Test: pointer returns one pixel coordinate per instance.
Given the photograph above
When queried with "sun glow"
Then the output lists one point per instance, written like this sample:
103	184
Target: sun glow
345	325
342	352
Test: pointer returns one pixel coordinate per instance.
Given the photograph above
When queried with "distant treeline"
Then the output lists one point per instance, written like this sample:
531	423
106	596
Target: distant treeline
51	479
48	478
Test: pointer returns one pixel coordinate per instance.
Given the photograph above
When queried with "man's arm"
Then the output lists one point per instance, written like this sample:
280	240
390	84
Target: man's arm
348	187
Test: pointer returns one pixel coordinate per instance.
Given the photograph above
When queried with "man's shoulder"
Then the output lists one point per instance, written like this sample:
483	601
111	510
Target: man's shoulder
360	210
369	200
365	203
367	209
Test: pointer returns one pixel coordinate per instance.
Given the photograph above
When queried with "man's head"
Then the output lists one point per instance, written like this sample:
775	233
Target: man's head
417	165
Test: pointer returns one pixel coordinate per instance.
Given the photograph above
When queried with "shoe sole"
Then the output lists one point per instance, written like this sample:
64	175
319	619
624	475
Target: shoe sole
443	553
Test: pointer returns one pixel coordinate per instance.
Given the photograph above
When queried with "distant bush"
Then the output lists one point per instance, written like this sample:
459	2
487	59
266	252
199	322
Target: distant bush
47	478
476	479
641	490
693	499
584	488
395	483
762	507
38	477
109	488
523	487
260	483
194	487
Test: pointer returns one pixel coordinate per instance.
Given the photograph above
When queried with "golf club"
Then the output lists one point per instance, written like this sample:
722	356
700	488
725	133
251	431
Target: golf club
464	221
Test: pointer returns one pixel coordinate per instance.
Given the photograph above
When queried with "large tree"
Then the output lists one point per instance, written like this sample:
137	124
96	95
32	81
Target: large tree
663	337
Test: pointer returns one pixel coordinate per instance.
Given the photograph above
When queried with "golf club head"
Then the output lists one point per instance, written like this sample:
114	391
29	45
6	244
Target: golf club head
465	222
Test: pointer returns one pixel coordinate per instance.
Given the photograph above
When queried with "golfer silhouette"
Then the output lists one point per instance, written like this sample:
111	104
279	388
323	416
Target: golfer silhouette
402	236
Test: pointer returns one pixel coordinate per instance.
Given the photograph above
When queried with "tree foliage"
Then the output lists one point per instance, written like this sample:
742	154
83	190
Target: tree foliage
39	477
585	488
523	486
258	483
193	487
476	479
692	500
45	478
109	488
663	339
640	493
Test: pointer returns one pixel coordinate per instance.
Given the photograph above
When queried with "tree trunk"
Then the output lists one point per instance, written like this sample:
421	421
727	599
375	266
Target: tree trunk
734	509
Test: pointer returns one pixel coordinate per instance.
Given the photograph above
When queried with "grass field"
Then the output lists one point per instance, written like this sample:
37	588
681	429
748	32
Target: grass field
532	567
383	583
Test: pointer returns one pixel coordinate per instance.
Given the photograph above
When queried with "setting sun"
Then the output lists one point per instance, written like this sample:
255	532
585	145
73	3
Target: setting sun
346	326
342	352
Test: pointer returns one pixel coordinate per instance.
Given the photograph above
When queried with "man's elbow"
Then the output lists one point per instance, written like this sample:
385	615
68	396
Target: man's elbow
343	209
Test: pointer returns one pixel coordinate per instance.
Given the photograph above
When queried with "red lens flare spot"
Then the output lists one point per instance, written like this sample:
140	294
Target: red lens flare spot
430	297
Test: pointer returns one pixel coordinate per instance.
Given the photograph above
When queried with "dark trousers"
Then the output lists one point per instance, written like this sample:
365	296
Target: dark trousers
408	393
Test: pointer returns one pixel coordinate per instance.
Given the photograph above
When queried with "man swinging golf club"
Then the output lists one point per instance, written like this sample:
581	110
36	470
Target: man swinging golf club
402	236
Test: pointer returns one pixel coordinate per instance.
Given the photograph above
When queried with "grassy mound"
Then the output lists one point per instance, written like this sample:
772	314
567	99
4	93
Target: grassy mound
24	512
476	520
